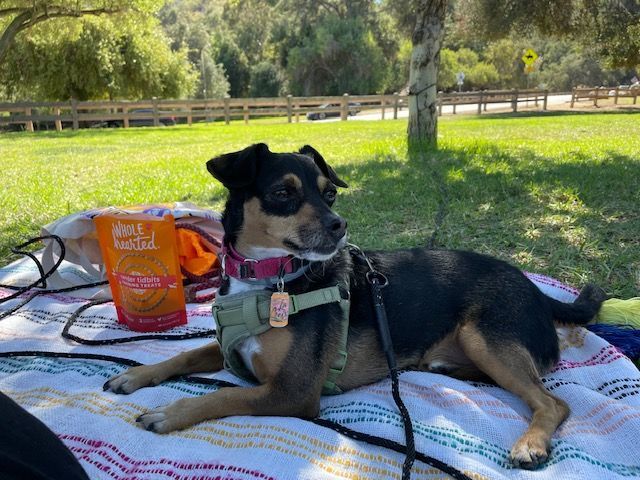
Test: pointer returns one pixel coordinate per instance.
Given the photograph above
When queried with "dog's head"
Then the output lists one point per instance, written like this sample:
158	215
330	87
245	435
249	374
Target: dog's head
280	203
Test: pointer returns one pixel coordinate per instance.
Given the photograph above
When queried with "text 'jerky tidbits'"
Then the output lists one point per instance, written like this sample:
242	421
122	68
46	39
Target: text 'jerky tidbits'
140	255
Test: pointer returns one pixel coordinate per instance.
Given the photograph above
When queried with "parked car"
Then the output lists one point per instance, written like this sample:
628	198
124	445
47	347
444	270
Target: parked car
334	111
137	122
622	91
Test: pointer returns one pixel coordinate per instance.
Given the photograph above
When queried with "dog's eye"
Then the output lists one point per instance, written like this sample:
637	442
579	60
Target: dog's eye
330	196
281	194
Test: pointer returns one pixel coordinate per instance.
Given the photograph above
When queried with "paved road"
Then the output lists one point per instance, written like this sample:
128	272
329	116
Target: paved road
552	100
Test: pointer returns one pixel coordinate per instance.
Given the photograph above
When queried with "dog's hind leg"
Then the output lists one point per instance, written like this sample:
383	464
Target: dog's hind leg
204	359
512	367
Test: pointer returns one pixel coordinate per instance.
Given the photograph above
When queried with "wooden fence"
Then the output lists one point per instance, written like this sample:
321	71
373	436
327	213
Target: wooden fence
603	93
484	97
74	114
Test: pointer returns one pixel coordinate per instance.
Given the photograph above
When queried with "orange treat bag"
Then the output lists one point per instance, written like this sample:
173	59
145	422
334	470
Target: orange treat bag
140	255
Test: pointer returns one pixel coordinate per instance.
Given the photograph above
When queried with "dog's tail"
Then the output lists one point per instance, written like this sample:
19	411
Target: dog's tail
583	309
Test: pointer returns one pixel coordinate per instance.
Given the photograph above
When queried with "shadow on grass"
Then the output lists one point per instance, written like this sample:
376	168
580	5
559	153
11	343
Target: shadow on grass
575	220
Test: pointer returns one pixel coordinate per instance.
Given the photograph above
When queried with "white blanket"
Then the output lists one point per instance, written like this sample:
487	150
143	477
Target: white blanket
470	426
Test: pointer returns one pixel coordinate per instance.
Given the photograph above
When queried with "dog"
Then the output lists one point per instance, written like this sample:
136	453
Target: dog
458	313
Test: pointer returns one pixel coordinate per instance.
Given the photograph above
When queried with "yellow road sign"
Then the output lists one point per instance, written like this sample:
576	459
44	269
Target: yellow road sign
529	56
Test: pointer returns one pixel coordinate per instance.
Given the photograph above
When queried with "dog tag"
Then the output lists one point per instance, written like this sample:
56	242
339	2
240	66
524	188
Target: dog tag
279	311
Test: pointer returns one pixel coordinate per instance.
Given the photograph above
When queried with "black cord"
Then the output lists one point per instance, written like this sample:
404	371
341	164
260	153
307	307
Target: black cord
391	445
43	275
336	427
110	358
112	341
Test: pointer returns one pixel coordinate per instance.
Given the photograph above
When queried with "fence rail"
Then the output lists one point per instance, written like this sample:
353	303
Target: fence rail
603	93
74	114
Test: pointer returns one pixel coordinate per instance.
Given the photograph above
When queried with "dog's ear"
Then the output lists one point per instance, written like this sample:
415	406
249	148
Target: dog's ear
322	165
238	169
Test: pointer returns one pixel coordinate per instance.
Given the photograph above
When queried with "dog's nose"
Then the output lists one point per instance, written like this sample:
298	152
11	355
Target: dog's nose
337	226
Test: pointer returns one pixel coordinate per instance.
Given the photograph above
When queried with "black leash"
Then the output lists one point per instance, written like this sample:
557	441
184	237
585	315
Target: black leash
377	281
336	427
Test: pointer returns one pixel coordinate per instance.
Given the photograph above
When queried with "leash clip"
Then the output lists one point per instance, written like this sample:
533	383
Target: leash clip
381	280
372	275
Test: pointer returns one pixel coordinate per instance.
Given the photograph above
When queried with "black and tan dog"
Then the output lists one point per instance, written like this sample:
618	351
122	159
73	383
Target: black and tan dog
452	312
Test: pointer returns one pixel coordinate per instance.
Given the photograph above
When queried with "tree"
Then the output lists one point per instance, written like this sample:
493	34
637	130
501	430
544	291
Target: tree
235	63
95	58
426	39
339	56
611	27
19	15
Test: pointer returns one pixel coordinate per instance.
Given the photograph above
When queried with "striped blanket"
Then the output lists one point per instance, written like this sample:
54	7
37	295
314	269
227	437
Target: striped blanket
470	426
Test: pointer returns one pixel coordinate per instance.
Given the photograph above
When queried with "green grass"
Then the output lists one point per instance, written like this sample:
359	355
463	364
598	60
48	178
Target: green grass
558	194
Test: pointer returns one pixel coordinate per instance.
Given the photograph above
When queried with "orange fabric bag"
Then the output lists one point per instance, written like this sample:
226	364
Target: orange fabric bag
141	259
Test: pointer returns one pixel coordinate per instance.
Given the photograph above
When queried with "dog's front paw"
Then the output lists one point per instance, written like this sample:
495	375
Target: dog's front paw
133	379
529	452
168	418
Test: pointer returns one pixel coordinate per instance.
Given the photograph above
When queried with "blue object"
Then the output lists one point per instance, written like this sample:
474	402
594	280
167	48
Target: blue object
626	339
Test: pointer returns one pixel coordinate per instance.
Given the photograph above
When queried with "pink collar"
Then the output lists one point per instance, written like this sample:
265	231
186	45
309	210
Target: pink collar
242	268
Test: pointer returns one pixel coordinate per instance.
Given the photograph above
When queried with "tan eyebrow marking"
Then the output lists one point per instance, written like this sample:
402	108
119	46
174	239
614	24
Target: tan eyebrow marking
292	180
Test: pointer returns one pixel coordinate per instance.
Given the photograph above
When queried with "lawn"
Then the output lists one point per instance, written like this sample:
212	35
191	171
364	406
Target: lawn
557	194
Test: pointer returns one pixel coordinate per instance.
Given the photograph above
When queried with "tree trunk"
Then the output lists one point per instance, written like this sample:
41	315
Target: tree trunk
423	74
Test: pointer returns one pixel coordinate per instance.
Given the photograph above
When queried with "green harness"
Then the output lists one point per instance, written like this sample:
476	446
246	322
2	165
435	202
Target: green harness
246	314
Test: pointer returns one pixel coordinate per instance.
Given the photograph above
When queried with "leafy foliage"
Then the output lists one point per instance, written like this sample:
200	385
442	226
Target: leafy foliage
339	56
265	80
96	58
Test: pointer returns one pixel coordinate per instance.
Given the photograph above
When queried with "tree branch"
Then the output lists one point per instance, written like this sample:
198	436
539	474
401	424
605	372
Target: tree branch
10	11
330	6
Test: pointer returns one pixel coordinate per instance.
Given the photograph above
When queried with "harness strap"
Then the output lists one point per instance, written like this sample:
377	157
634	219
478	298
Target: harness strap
246	314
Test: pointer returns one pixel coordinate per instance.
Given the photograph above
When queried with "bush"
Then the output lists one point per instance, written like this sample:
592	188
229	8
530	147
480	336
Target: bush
266	80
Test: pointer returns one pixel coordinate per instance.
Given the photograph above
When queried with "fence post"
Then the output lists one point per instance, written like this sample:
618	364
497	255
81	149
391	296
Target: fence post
297	107
289	113
440	104
29	123
344	107
189	114
58	122
245	110
635	95
544	103
396	102
485	102
595	98
227	113
615	99
382	103
125	120
74	113
573	96
156	115
514	100
480	102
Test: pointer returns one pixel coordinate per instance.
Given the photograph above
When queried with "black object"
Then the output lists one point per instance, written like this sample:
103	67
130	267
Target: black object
29	450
